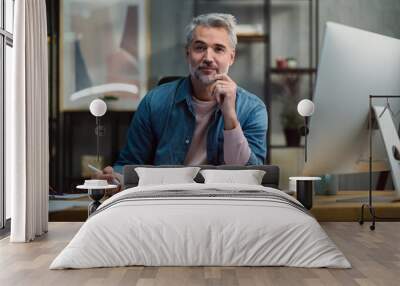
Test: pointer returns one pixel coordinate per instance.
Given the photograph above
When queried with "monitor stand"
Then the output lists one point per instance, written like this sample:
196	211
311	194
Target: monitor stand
392	143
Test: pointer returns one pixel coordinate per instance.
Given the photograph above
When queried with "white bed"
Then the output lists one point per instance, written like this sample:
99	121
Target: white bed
264	229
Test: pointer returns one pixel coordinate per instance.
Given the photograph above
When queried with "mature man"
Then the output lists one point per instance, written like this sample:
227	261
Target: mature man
204	118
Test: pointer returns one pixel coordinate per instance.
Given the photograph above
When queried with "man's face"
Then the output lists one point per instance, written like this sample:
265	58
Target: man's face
209	53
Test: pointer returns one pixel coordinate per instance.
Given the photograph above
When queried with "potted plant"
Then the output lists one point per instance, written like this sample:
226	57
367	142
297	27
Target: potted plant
291	123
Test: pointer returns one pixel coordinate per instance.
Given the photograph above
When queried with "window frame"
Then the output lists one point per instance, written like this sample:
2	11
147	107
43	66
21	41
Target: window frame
6	39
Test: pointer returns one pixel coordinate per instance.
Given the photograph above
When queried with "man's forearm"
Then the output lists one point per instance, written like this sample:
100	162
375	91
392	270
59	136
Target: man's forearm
236	147
254	160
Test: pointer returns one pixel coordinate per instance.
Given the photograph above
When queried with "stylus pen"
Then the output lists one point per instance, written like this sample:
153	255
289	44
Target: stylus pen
94	169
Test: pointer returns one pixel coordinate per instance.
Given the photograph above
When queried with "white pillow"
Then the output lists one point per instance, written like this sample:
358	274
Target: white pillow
163	176
248	177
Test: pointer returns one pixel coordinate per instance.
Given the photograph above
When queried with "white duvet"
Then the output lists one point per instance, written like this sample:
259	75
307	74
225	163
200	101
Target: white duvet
200	231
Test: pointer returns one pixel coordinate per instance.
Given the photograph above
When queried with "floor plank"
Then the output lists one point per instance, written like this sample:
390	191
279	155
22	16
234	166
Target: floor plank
375	257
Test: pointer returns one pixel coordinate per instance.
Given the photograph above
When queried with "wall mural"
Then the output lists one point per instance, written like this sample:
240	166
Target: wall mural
103	54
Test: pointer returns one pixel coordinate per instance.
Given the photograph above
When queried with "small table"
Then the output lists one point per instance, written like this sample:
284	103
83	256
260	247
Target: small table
96	193
304	190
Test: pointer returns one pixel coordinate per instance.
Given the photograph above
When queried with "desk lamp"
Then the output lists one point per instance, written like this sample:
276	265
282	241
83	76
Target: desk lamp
96	188
304	185
305	108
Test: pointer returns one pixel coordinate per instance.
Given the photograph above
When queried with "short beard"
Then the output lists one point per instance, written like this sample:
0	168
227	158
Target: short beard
204	79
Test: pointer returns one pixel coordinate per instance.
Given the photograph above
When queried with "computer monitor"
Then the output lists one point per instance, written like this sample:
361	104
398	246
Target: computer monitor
353	65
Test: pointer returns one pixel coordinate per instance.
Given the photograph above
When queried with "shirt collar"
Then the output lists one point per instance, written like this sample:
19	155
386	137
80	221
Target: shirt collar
184	90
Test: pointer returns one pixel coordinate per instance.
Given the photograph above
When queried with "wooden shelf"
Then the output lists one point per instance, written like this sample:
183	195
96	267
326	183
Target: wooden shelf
288	3
252	37
242	3
293	71
285	146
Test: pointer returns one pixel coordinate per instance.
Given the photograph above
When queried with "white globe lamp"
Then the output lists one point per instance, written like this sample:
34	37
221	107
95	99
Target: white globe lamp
98	107
305	107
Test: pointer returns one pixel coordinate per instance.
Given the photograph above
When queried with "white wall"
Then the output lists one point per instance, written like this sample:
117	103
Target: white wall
379	16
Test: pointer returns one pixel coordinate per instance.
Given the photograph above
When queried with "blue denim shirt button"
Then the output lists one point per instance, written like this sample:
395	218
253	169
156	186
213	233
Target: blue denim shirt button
187	141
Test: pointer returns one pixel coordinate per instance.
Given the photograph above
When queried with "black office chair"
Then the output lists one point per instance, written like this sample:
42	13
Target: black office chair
166	79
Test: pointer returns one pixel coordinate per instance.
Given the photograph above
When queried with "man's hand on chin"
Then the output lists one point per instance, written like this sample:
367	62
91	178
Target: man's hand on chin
224	90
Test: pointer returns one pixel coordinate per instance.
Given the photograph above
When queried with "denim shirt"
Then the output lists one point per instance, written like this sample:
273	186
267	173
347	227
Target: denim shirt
162	128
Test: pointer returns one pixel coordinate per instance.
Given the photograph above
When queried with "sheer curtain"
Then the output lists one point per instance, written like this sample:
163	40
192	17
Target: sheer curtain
27	124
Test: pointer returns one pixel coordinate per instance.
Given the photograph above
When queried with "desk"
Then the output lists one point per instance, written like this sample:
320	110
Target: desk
325	207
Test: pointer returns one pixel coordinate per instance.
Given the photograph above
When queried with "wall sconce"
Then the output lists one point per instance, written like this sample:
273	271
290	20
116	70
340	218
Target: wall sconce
305	108
98	108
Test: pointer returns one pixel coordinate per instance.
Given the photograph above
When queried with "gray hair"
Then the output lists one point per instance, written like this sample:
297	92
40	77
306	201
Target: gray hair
213	20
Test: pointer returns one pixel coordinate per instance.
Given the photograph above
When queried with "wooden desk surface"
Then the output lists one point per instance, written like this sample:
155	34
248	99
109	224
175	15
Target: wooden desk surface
325	207
346	205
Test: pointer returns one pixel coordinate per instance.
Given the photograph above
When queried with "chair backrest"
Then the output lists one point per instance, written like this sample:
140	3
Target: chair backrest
166	79
270	179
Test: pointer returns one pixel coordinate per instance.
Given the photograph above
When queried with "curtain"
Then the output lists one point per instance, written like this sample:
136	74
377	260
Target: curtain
27	124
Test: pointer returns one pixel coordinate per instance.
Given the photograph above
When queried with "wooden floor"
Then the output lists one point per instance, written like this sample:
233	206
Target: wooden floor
374	255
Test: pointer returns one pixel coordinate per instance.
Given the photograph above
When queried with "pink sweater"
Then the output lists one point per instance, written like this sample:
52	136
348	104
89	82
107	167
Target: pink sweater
236	147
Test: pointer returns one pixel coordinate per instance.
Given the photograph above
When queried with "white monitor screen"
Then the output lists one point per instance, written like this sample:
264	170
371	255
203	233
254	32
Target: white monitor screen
354	64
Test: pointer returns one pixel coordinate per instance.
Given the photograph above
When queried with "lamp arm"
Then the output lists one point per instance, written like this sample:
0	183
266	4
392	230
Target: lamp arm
305	137
98	138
